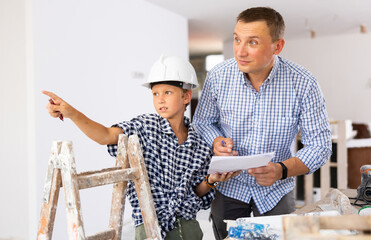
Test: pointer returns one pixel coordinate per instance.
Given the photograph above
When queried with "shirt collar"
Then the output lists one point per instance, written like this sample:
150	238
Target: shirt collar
268	79
165	125
166	128
272	74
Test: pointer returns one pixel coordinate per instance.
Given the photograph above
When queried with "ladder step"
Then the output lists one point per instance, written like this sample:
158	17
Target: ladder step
108	234
104	177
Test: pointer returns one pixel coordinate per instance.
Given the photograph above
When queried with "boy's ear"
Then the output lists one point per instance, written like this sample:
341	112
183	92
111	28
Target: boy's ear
187	96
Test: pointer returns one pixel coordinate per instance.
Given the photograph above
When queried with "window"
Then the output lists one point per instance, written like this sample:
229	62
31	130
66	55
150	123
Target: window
213	60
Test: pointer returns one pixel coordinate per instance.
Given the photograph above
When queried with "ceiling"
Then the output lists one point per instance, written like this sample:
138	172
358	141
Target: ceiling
212	21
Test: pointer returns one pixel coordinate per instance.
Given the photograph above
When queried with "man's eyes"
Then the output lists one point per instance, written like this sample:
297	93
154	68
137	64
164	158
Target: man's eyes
251	42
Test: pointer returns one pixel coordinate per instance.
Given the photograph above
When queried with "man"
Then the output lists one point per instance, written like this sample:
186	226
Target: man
253	104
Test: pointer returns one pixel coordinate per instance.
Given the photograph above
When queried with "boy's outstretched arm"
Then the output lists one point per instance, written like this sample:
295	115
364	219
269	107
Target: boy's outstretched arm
92	129
203	188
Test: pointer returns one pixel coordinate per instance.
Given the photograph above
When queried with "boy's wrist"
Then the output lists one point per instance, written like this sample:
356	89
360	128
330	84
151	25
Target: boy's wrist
210	179
209	182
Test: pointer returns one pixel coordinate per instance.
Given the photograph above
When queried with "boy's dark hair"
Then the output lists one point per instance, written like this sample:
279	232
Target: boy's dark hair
273	19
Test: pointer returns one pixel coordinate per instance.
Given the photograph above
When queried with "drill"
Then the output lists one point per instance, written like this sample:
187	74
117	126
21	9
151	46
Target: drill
364	190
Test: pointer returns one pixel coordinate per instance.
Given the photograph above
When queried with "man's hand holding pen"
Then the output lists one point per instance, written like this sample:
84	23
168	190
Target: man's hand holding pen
223	147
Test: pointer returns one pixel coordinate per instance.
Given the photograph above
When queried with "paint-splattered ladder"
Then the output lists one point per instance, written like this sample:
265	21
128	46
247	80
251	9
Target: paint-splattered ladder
62	173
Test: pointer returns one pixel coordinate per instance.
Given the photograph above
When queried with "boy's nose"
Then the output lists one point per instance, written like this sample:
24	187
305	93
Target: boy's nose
161	99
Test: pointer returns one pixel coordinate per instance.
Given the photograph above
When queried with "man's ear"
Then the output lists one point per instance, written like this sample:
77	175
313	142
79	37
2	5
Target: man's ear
279	46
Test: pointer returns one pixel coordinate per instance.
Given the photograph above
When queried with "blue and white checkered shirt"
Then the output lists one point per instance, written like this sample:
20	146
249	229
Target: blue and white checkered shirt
174	170
264	121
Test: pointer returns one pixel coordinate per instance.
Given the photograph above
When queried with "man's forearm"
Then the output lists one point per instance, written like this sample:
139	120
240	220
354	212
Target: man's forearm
295	167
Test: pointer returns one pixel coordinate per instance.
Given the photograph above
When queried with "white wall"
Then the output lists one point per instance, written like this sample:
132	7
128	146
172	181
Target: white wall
87	52
341	64
13	120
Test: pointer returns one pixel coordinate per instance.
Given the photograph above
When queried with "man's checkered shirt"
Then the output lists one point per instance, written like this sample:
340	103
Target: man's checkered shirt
174	170
264	121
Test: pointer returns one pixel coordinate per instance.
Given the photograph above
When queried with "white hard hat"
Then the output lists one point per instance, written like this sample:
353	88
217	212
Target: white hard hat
172	69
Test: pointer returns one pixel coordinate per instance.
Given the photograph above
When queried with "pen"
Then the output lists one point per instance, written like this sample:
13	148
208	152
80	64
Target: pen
225	145
52	102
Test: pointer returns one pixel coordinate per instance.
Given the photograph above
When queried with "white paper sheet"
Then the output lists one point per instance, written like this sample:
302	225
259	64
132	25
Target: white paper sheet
234	163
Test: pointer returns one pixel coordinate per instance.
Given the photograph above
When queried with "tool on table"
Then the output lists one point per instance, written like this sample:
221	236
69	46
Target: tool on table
364	190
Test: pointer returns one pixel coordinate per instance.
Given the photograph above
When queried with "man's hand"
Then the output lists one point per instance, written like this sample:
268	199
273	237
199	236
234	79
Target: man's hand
57	107
266	175
223	147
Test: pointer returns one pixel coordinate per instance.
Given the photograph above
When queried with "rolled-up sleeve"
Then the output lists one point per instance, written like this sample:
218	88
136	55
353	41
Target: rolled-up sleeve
206	200
315	130
128	128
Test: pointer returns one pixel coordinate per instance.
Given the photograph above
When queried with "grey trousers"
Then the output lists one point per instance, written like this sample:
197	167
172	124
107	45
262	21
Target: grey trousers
183	230
226	208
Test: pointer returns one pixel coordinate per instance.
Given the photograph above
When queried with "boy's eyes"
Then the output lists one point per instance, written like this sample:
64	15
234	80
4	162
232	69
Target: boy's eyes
167	93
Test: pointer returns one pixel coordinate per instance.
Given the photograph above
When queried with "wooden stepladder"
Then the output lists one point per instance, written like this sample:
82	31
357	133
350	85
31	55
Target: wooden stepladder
62	173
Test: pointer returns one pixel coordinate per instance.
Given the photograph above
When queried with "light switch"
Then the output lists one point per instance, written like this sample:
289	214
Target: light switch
137	75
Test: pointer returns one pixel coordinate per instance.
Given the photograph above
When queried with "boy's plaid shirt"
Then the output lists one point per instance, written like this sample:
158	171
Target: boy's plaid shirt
174	170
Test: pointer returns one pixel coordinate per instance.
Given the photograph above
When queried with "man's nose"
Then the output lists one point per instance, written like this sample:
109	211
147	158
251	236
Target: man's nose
241	51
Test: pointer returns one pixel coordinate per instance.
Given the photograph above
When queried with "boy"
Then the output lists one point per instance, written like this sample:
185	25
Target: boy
176	157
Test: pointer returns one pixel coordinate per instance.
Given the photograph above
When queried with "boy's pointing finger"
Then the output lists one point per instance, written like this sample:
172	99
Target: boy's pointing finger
51	95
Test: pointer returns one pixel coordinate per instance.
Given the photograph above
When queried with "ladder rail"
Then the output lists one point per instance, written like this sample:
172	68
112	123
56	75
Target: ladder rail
119	189
53	182
143	190
71	192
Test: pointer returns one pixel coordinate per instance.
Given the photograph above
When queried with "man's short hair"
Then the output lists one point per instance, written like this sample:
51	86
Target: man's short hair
273	19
